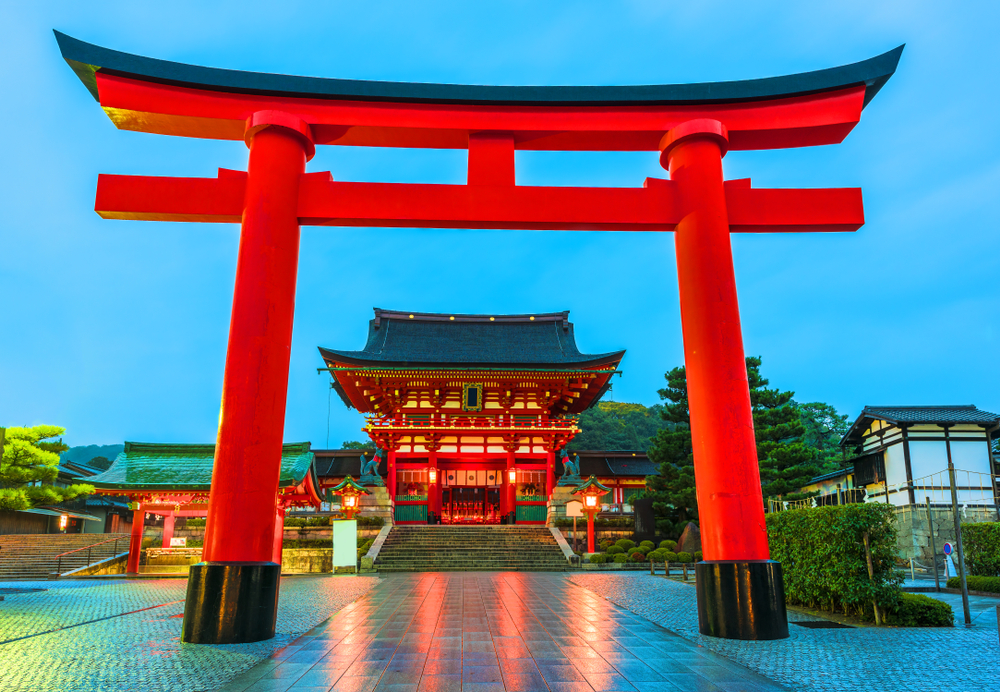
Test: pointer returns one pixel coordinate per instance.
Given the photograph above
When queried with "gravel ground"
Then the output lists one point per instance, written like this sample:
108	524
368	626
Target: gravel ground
888	659
140	651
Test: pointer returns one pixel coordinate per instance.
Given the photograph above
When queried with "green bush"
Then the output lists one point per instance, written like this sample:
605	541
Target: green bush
668	545
698	556
311	544
647	545
598	559
917	610
621	557
370	522
988	584
685	557
615	550
981	546
194	522
363	548
823	560
625	544
669	556
637	556
295	521
606	543
656	555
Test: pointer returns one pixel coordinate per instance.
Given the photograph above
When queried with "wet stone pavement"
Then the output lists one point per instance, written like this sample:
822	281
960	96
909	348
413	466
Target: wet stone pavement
492	632
118	634
887	659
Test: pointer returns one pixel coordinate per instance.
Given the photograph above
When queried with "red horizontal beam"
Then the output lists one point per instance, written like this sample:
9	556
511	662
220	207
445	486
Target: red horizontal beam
324	202
796	121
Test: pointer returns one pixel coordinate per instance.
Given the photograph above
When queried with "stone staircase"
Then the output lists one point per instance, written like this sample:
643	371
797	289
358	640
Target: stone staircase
481	548
33	556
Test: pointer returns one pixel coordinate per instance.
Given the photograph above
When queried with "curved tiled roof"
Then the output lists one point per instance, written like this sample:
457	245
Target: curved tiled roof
187	466
913	415
404	339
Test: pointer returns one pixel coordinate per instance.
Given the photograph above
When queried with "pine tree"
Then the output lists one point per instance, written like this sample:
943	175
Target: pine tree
29	465
786	462
673	489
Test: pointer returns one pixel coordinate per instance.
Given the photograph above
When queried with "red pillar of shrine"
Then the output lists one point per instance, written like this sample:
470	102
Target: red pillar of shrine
511	489
168	529
391	481
135	542
550	473
433	492
740	590
232	596
279	536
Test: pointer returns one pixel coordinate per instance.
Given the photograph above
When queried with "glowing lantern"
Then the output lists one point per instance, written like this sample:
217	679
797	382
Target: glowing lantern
512	475
349	492
591	491
432	475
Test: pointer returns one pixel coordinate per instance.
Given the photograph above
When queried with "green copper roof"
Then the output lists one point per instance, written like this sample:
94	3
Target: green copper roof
349	483
187	467
591	482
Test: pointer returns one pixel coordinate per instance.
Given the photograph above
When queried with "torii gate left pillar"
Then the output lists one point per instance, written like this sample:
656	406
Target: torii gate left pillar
233	593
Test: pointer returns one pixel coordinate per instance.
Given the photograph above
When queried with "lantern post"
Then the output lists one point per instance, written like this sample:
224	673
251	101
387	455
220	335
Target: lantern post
349	492
591	491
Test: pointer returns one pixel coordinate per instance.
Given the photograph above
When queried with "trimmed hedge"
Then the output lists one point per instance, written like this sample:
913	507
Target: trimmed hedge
598	559
987	584
685	557
823	560
194	522
698	556
621	557
917	610
669	557
625	544
981	547
615	550
668	545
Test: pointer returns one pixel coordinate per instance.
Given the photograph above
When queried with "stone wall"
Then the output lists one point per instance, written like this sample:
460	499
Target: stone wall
913	529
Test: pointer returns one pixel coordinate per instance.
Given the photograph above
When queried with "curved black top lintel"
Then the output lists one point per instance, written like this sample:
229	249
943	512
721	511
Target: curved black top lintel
86	59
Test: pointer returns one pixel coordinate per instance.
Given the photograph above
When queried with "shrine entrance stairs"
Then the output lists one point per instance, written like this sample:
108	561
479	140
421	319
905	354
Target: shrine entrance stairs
33	556
470	548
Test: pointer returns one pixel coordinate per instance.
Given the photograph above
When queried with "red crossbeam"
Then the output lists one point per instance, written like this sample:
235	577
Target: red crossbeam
325	202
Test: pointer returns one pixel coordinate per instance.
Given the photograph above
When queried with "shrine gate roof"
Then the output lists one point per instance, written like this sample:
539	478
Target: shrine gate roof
431	339
612	463
188	467
87	59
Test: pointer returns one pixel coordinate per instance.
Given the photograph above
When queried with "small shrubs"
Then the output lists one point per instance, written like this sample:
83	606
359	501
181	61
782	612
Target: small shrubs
621	558
669	556
668	545
917	610
655	555
685	557
697	556
637	556
370	522
981	543
194	523
363	548
988	584
598	559
606	543
615	550
625	544
647	546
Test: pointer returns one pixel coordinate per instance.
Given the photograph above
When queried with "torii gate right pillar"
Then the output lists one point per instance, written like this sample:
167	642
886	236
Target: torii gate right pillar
740	589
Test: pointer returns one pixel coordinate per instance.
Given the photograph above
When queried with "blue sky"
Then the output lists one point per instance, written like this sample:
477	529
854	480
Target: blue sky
117	330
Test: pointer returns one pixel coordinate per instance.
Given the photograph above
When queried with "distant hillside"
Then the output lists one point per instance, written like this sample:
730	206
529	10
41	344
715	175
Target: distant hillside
85	453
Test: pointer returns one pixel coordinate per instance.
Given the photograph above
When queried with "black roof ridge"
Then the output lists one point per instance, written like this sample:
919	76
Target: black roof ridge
381	314
86	59
938	406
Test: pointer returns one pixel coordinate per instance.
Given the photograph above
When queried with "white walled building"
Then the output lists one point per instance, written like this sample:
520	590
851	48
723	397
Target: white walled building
905	450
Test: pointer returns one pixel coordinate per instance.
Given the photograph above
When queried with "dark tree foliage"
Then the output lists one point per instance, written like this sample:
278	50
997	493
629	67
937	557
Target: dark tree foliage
612	425
824	428
368	446
673	489
102	463
786	462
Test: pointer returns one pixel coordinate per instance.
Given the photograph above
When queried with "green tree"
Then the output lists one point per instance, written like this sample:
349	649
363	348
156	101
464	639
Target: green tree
619	426
786	462
29	465
824	428
673	488
368	446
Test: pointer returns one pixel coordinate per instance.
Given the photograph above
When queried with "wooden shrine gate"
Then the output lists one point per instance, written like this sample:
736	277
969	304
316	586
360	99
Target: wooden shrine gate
282	119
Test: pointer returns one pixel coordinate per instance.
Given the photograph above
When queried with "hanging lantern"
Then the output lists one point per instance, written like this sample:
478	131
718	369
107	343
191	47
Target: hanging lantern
349	492
512	475
432	475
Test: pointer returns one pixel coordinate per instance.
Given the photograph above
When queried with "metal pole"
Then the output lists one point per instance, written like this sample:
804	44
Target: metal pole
930	527
958	539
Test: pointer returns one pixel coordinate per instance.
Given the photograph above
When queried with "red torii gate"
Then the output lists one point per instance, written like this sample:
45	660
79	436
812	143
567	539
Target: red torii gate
282	118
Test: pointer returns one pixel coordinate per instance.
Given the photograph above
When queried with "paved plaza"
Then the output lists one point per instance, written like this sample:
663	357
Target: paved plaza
119	634
945	659
468	632
491	632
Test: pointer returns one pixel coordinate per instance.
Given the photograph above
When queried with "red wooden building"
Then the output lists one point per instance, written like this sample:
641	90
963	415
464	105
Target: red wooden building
471	410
